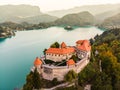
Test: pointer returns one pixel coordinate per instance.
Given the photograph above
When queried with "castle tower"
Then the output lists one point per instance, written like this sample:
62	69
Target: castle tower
70	62
63	45
37	62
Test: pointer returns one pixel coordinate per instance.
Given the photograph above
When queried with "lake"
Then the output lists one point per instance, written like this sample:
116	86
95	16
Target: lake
17	54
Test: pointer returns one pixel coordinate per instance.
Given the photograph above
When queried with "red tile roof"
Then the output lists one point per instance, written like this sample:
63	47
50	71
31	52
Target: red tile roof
60	50
63	45
37	61
84	45
70	62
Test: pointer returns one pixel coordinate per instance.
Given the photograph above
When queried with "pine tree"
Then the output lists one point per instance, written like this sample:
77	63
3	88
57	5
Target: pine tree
33	81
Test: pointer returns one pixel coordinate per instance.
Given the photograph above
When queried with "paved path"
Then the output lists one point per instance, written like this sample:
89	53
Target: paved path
60	85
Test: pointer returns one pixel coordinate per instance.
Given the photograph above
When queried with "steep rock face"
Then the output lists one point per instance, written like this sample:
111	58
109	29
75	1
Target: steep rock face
111	22
24	13
79	19
19	11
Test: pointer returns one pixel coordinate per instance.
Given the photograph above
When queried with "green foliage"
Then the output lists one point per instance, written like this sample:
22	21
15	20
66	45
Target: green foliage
36	80
68	88
55	45
44	51
87	74
102	82
32	81
108	46
62	63
75	58
49	61
29	82
71	75
55	81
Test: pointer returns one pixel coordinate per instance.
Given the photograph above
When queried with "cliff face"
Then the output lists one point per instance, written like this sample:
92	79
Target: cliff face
23	13
19	10
79	19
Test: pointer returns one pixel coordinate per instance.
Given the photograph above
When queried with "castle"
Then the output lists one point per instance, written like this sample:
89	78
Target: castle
57	62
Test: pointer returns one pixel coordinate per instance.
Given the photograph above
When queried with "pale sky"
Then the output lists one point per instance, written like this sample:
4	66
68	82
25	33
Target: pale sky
50	5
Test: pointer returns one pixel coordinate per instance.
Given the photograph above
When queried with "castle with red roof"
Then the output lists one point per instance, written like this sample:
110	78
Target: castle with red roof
57	62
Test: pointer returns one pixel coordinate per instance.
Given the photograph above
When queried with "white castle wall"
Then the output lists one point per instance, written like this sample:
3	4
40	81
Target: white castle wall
51	72
58	57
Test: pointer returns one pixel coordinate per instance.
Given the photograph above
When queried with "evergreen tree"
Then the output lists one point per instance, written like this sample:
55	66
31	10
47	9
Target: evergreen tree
36	80
33	81
71	75
29	82
55	45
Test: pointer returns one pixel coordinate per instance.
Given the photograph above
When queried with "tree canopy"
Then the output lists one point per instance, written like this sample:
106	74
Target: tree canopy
33	81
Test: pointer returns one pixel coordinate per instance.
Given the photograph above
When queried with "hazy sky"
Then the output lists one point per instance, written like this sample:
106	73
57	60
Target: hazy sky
49	5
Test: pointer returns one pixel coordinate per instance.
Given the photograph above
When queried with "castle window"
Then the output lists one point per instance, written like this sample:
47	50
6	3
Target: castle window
47	70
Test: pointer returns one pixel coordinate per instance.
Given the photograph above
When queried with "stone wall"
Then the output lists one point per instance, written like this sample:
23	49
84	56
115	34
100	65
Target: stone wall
51	72
58	57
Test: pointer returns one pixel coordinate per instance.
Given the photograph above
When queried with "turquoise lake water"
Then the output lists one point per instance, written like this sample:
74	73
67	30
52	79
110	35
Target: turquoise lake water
17	54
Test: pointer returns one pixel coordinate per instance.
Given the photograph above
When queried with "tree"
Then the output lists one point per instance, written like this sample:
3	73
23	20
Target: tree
55	45
75	58
36	79
87	74
44	52
33	81
29	82
54	81
91	41
71	75
102	82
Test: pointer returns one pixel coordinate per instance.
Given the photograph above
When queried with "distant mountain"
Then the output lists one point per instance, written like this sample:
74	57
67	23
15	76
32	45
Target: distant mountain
19	11
111	22
23	13
94	9
78	19
43	18
102	16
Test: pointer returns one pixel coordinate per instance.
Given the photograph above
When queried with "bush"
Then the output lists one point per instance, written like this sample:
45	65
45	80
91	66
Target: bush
71	75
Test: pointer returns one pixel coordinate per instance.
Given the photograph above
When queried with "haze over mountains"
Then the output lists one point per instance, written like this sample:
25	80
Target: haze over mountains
94	9
101	15
24	13
77	19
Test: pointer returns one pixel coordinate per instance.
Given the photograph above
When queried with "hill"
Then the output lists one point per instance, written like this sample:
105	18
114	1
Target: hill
23	13
94	9
111	22
78	19
43	18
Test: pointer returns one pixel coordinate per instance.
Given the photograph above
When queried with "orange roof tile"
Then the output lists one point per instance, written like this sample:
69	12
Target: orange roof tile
63	45
37	61
85	45
80	41
60	50
70	62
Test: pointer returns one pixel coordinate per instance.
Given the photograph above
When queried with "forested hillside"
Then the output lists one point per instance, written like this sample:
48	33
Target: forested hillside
103	72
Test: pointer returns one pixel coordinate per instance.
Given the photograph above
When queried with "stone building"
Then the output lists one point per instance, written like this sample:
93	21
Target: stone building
83	48
51	71
59	54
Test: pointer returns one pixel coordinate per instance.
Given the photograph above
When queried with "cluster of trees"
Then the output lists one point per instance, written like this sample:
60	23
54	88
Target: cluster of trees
103	73
70	76
11	26
55	45
109	54
33	81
